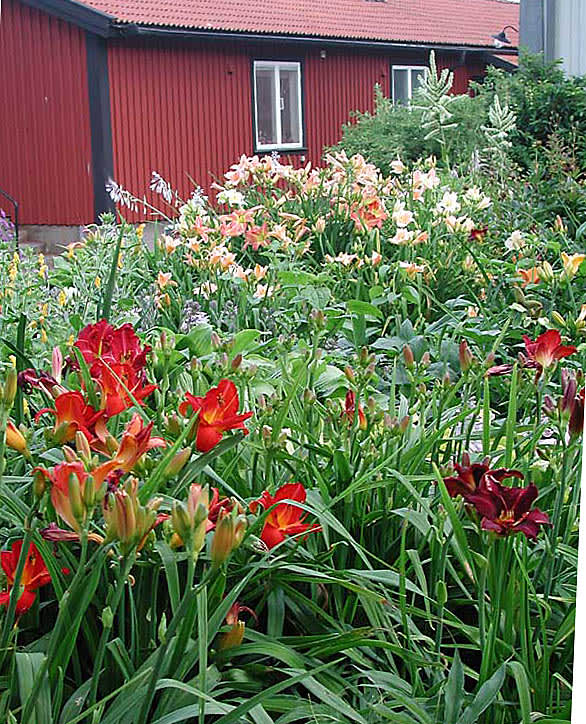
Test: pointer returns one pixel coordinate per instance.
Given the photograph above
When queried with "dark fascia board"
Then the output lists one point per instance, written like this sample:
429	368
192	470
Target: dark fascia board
492	59
76	13
135	30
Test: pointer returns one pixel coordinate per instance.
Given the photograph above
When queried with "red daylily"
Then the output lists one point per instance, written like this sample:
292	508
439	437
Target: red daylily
217	413
34	575
285	519
73	413
506	511
116	361
547	349
350	409
470	476
542	353
215	508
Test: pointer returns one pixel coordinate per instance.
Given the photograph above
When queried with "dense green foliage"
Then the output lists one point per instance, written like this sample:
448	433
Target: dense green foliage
402	351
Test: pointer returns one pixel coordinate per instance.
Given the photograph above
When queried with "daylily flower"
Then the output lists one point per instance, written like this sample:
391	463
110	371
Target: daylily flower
477	234
529	276
572	263
72	414
72	493
235	635
135	442
506	511
30	379
34	575
286	519
116	360
470	476
547	349
217	413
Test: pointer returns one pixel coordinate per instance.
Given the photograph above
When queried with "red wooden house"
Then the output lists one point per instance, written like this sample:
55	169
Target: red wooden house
100	89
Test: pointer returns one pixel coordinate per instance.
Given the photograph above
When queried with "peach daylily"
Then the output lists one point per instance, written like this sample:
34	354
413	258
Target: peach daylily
572	263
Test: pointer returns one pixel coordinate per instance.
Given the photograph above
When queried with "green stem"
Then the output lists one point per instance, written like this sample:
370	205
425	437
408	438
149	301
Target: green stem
113	601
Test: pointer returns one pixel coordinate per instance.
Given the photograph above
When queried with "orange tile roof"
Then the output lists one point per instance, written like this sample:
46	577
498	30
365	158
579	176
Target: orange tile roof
461	22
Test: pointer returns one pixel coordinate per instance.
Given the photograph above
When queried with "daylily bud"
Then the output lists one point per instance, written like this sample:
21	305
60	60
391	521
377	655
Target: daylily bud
308	396
519	296
107	617
425	359
127	520
446	380
178	462
216	341
371	404
349	372
75	499
558	319
558	225
10	388
364	357
82	446
236	362
39	484
408	357
173	425
16	440
545	272
320	225
56	363
228	535
466	357
404	423
190	521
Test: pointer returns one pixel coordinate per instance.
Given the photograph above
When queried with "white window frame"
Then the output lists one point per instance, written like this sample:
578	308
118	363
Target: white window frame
409	76
276	66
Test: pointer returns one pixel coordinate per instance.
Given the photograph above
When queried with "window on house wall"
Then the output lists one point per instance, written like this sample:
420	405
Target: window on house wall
278	112
406	80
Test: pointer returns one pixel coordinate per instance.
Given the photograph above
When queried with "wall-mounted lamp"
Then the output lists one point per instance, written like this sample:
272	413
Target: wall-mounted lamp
500	39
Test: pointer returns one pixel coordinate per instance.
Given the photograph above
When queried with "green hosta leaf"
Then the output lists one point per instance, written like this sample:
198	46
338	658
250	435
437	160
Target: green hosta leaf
356	306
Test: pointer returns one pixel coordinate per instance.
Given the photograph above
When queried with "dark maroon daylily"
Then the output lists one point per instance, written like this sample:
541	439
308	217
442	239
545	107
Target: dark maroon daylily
470	476
506	511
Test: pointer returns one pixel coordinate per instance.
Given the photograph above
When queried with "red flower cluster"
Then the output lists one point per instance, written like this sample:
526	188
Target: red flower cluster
503	510
285	519
217	412
117	363
34	575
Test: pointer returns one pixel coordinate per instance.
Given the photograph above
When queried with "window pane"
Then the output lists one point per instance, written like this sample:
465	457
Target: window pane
266	126
290	111
400	86
416	78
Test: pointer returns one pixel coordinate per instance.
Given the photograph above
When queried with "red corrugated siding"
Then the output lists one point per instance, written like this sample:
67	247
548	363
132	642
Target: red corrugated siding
45	151
181	111
335	86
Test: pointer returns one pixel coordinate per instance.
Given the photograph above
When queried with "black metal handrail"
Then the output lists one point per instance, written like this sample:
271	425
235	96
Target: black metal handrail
14	203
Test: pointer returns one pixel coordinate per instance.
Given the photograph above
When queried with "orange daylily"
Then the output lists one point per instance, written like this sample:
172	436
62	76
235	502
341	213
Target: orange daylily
529	276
